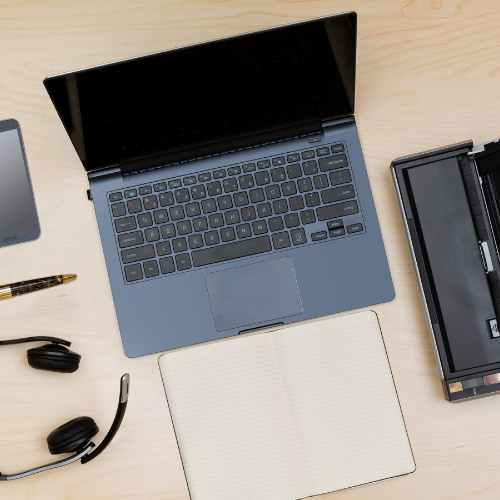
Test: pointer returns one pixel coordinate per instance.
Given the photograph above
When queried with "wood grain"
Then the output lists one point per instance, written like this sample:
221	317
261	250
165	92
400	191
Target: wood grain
428	75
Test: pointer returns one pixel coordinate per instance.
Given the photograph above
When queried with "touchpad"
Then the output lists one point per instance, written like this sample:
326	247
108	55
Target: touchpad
255	293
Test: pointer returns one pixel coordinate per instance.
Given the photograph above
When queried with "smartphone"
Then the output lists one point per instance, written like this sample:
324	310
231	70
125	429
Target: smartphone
18	217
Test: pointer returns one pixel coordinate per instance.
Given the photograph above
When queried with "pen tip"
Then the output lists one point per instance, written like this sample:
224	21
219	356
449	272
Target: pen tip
68	277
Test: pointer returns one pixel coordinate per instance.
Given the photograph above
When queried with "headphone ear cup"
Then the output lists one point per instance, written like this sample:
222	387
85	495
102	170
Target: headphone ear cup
54	358
72	435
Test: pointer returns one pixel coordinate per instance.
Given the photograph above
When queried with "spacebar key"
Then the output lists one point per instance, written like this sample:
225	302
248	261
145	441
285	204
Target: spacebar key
231	251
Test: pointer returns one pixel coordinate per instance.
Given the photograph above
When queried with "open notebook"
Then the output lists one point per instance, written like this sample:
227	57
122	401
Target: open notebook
287	414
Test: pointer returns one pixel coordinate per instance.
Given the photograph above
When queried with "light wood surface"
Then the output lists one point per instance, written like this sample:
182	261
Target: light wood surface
428	74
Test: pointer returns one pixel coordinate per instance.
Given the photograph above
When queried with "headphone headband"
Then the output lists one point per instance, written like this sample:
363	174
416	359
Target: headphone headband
54	340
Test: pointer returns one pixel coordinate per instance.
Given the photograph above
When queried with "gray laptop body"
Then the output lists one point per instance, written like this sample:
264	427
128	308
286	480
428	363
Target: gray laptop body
258	226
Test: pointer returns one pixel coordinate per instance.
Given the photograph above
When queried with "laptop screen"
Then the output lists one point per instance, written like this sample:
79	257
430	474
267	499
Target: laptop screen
209	92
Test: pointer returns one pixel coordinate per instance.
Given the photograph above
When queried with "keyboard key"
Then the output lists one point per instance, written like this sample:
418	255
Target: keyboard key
307	217
279	161
305	185
211	238
307	155
280	206
208	206
244	231
273	191
152	234
296	203
232	217
337	194
193	209
177	213
125	224
130	239
115	197
323	151
167	265
337	148
227	234
337	210
244	248
230	185
292	220
200	224
160	216
175	184
240	199
166	199
278	174
248	213
257	195
189	181
281	240
163	248
167	231
160	186
182	195
118	209
195	241
234	170
204	177
289	188
312	199
310	167
150	202
249	167
354	228
263	164
145	190
214	188
198	192
216	220
262	178
139	253
275	223
321	235
145	220
133	273
246	181
151	269
134	206
184	227
219	174
293	158
340	177
336	232
294	171
332	163
179	245
334	224
298	236
259	227
183	262
320	181
130	193
264	210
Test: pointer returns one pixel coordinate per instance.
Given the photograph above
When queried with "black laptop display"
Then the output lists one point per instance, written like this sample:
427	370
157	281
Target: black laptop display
229	183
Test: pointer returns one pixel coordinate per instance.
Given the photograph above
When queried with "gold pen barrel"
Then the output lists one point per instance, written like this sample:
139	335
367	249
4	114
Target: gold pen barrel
5	292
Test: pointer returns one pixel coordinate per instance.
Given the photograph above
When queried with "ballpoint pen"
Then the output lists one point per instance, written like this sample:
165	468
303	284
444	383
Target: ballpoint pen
14	289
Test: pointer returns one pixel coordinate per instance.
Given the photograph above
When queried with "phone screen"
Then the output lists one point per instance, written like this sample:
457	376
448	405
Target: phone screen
18	217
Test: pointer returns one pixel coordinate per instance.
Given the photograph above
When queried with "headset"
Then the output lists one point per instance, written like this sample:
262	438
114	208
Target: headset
76	435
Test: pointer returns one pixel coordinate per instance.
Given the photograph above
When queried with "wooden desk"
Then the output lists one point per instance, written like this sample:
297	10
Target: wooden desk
428	75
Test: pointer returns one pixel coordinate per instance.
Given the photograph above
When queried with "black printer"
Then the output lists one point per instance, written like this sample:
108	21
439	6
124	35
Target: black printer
450	200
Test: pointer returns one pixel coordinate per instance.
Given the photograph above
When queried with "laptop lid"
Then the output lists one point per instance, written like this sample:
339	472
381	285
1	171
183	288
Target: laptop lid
212	97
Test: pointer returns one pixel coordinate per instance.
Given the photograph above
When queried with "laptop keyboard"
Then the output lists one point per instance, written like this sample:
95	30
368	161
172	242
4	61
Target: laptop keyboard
232	212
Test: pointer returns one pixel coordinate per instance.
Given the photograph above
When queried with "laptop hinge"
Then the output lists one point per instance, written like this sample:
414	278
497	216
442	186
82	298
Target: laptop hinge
180	155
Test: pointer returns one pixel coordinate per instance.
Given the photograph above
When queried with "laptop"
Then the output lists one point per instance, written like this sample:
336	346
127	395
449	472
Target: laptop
228	183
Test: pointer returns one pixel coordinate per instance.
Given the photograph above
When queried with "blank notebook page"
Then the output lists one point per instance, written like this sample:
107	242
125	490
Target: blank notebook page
287	414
